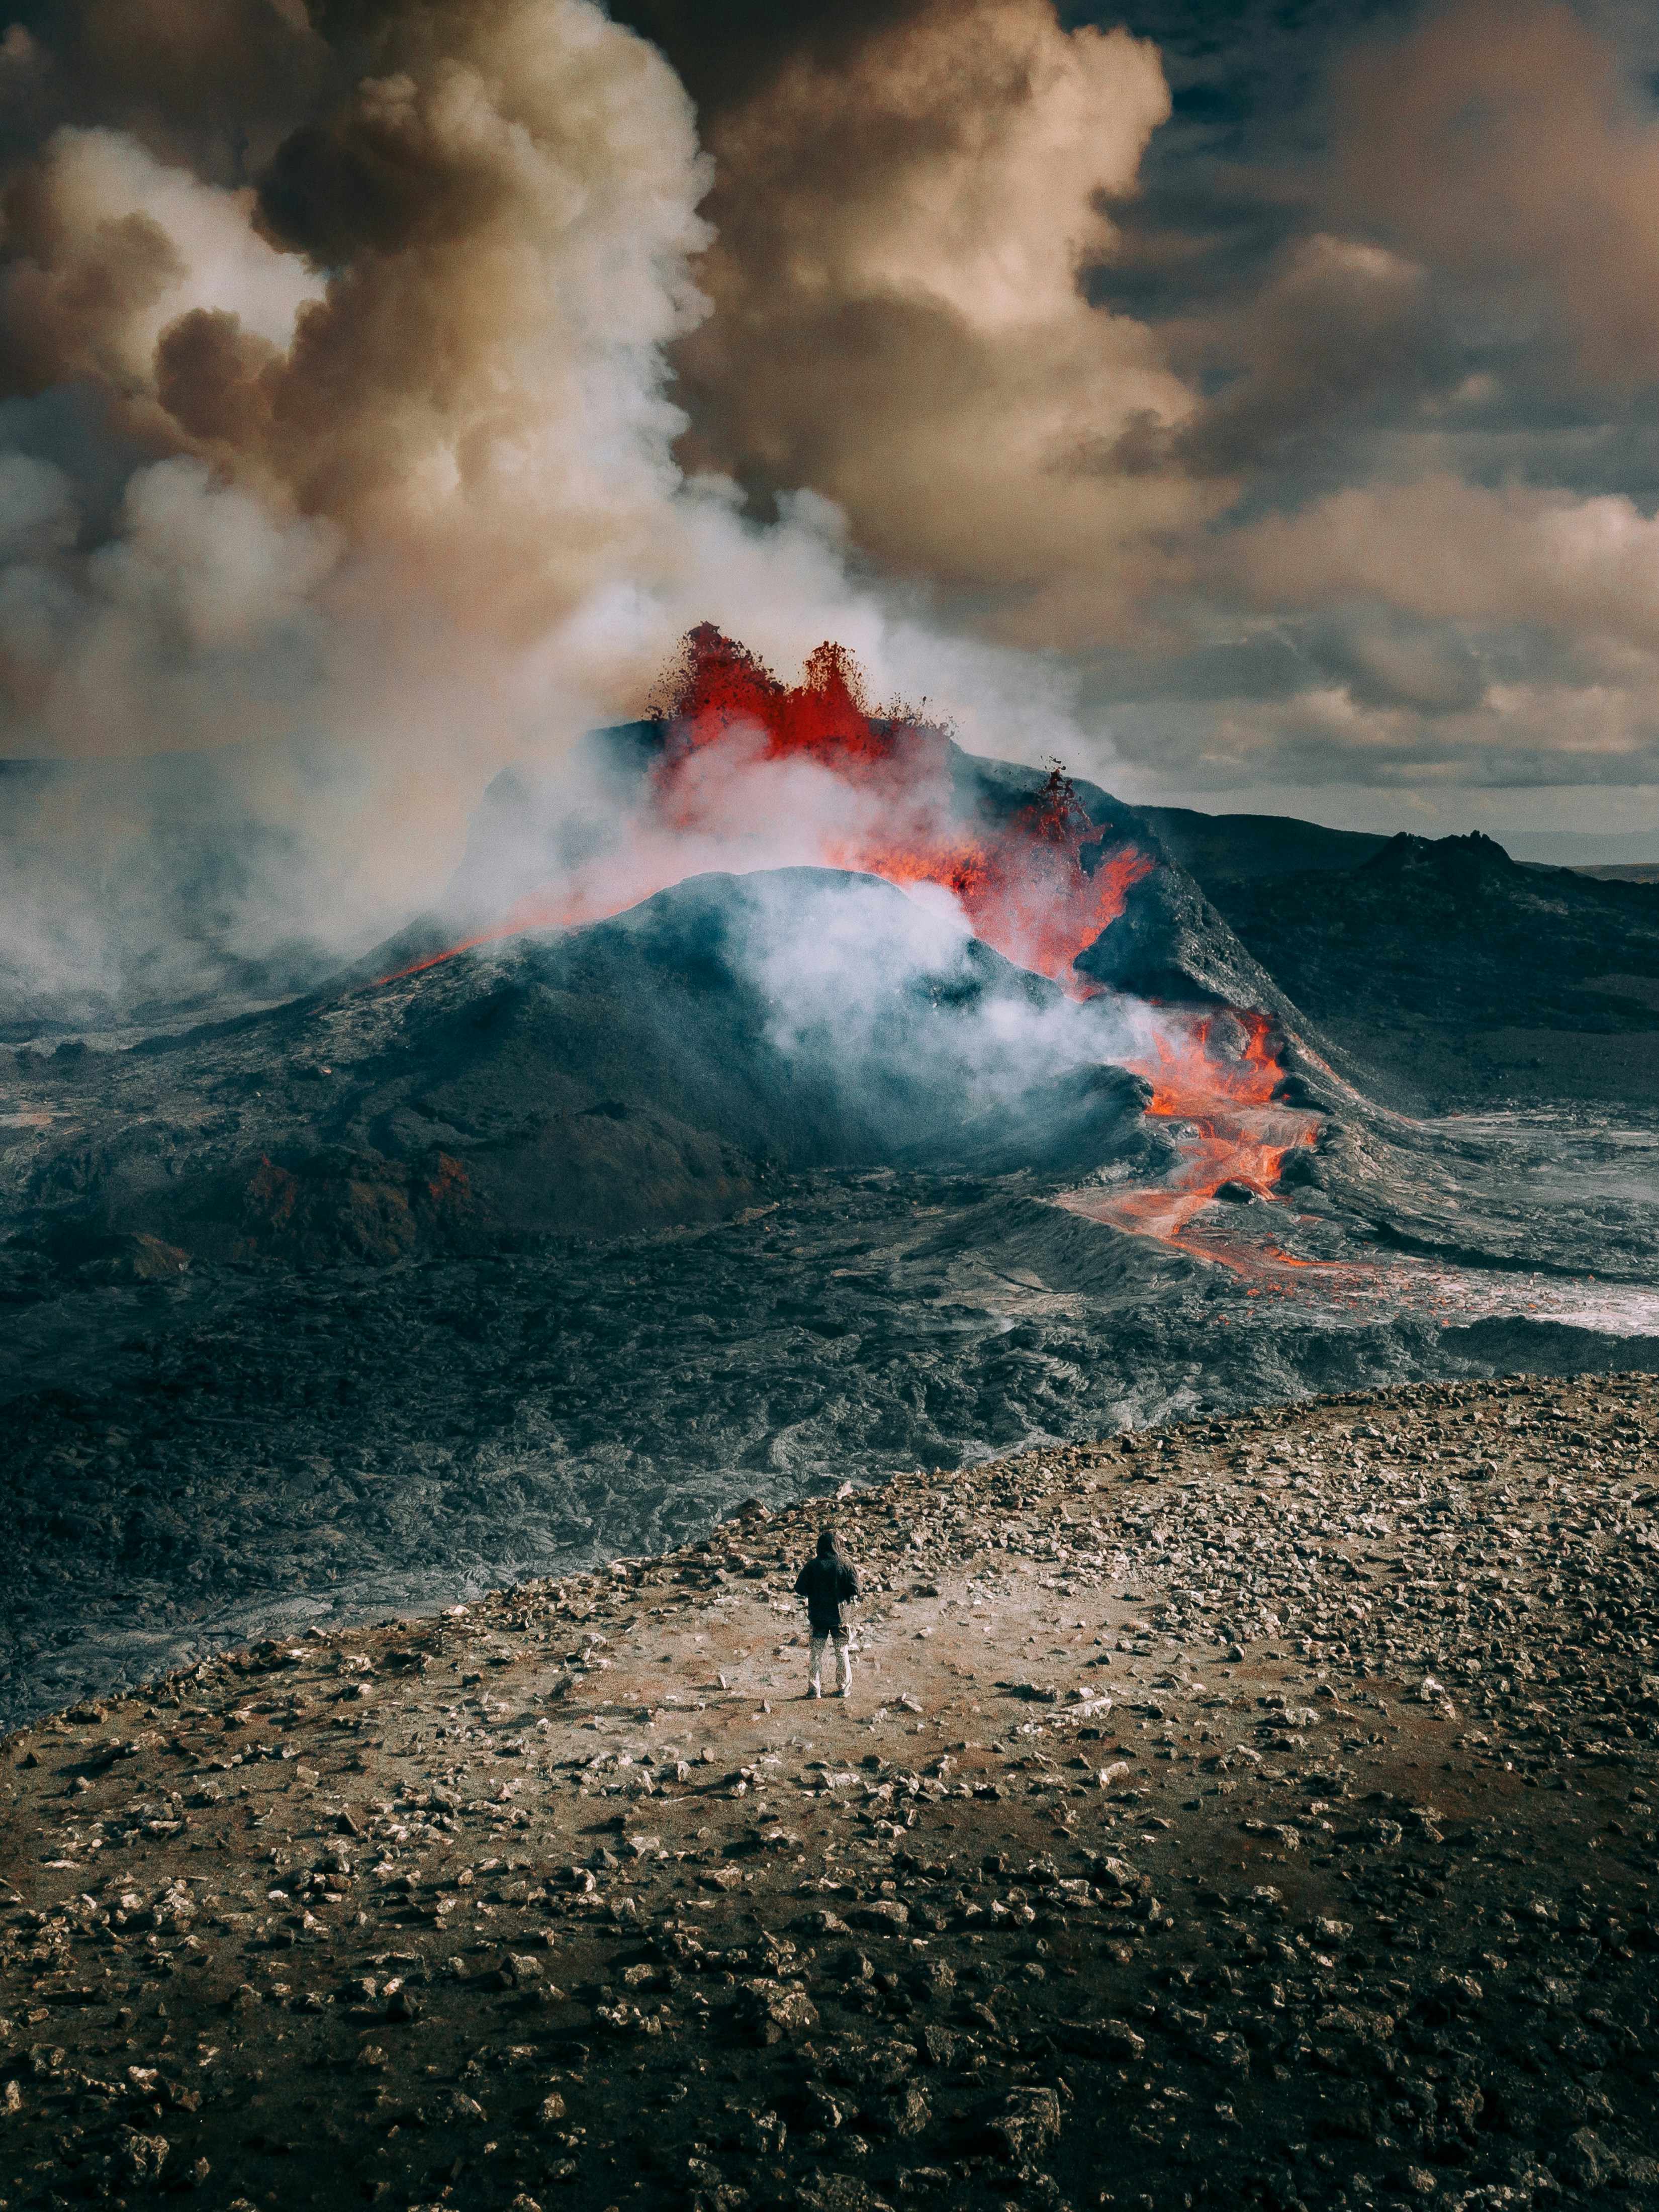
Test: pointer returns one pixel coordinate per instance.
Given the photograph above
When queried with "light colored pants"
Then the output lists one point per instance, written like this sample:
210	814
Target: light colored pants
842	1639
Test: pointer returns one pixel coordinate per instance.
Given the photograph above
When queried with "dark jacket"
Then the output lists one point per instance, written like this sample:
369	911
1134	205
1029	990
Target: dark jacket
827	1583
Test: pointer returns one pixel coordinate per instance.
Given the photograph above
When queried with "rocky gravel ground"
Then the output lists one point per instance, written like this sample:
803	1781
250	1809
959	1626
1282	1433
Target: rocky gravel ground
237	1451
1259	1809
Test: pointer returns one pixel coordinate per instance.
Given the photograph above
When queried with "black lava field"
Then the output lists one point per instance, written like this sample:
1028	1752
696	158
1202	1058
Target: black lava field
558	1249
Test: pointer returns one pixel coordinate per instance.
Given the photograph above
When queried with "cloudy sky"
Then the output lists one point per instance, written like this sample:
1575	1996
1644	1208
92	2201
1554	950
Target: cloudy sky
1255	401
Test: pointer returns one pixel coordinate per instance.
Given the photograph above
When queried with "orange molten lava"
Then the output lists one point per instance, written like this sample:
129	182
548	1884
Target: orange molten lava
1039	885
1191	1073
1216	1074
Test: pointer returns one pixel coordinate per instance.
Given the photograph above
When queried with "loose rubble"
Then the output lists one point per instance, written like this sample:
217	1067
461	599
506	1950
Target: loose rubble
1256	1810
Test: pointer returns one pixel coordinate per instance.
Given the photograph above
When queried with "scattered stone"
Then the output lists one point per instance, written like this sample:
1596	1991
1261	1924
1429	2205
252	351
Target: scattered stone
143	2157
777	2011
1027	2124
879	1912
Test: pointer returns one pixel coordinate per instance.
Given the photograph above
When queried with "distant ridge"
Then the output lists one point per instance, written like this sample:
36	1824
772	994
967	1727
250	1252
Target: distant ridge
1235	848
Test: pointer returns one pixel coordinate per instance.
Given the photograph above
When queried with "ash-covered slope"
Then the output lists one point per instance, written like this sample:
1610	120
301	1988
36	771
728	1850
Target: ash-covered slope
1171	944
666	1065
1460	975
1168	942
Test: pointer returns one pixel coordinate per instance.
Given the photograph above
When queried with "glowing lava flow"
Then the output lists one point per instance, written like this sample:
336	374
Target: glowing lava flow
753	773
1213	1078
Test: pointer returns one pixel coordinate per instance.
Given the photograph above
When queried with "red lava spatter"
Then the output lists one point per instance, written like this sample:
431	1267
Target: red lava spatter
874	796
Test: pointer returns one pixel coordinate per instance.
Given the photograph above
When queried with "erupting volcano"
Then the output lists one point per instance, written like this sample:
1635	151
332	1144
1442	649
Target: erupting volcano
1039	885
843	1100
746	772
750	773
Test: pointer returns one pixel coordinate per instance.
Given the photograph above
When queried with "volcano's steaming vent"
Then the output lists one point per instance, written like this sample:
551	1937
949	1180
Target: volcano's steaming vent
1039	886
745	773
752	773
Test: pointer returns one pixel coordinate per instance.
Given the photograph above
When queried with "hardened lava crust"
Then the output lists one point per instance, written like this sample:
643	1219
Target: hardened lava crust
1255	1811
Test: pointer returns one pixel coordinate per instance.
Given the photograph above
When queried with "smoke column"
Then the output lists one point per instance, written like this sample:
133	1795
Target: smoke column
335	443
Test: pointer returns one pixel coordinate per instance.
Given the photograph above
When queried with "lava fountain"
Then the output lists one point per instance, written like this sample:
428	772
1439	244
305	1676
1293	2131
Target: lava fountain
751	772
1039	885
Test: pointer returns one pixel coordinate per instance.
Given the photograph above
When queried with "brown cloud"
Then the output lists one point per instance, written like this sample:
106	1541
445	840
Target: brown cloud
726	52
71	297
443	335
1501	141
213	83
898	319
1453	551
1338	323
374	468
375	304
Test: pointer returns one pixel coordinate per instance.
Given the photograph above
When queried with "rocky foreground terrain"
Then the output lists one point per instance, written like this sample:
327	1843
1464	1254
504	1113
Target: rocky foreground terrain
1260	1810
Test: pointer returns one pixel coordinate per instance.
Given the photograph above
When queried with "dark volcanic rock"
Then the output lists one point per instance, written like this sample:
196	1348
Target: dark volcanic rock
1171	944
95	1257
1232	848
1464	972
666	1065
237	1449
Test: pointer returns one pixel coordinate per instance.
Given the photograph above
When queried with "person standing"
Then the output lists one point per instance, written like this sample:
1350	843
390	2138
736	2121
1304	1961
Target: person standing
827	1582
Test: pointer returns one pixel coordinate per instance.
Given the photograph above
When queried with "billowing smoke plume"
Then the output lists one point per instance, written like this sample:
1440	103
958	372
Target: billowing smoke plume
904	239
335	433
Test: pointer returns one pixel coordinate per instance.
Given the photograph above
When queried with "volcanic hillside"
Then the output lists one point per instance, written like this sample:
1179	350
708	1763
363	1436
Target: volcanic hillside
707	1016
640	1072
559	1248
1458	976
1225	848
